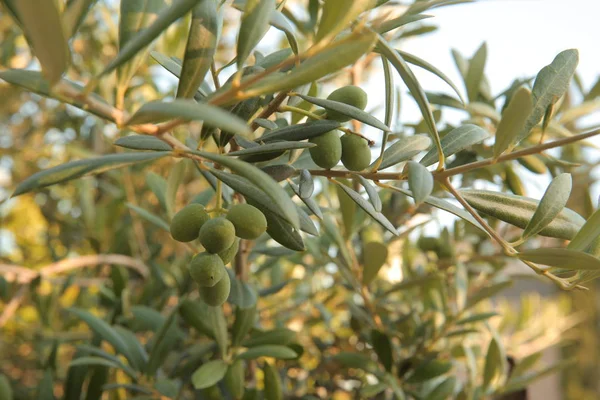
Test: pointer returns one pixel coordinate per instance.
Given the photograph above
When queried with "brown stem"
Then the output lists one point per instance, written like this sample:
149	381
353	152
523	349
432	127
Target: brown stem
270	108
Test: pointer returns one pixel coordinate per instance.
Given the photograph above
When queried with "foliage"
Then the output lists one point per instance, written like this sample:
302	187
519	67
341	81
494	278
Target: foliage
106	158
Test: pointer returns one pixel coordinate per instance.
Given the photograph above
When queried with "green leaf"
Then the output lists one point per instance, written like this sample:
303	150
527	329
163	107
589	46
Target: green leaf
561	258
271	147
420	6
95	361
200	49
338	15
189	110
148	216
404	149
552	203
476	318
329	60
368	208
443	99
209	374
371	192
475	73
487	292
72	387
420	181
162	342
268	350
254	25
274	58
495	367
279	197
444	390
412	59
103	330
374	255
456	140
244	321
45	389
383	348
43	28
402	20
241	294
310	203
96	383
518	211
347	110
551	83
79	168
138	354
299	132
128	386
174	180
169	63
588	233
414	87
278	336
135	17
428	370
74	14
353	360
522	382
306	186
217	321
143	38
513	120
279	21
142	142
195	314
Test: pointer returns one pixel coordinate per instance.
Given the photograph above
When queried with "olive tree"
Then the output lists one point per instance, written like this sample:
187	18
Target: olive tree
246	224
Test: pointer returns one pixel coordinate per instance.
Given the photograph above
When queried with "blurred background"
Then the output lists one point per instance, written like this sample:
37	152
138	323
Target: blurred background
521	36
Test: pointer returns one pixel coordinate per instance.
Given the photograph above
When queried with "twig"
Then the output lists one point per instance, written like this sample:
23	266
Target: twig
270	108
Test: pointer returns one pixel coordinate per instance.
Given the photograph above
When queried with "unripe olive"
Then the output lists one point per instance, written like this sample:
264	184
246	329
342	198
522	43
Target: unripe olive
248	220
228	254
207	269
217	235
186	224
351	95
217	295
328	150
356	154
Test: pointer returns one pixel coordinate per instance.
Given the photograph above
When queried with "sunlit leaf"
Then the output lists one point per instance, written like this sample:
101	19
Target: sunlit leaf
404	149
74	14
561	258
420	181
513	120
254	25
337	16
495	368
458	139
475	72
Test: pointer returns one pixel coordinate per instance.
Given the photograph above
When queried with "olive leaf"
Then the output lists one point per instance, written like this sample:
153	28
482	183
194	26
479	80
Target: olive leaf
495	367
561	258
299	132
308	201
254	25
135	17
371	192
588	233
456	140
337	16
148	216
79	168
475	72
347	110
513	120
209	374
271	147
43	28
143	38
404	149
189	110
420	181
518	211
95	361
375	256
552	203
550	84
142	142
201	46
402	20
306	185
268	350
74	14
279	21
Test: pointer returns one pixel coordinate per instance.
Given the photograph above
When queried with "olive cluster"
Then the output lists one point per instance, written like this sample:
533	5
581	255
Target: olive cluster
351	149
220	237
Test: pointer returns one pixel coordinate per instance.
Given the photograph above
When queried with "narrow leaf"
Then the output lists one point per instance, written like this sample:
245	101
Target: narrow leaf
309	202
495	366
159	222
143	38
337	16
420	181
456	140
404	149
200	48
209	374
347	110
561	258
306	185
513	120
74	14
175	179
271	147
588	233
299	132
142	142
268	350
374	257
475	72
371	192
552	203
254	25
43	28
189	110
79	168
217	321
402	20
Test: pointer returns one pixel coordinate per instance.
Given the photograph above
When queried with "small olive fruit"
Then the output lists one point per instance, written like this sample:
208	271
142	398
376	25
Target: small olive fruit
217	235
207	269
248	220
351	95
217	295
228	254
328	150
356	154
186	224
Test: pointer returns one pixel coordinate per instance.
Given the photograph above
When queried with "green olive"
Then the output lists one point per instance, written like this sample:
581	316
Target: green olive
356	154
186	224
248	220
328	150
217	295
207	269
351	95
217	235
228	254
